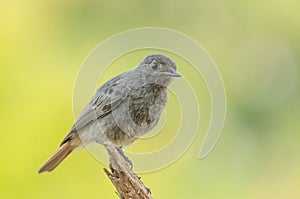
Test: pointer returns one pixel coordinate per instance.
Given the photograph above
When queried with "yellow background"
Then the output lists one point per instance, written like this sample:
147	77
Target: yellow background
254	43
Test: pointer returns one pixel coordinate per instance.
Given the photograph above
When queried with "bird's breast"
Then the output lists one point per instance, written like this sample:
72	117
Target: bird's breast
146	104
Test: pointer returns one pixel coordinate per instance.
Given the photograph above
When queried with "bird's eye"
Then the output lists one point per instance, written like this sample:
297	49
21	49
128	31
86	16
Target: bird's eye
154	65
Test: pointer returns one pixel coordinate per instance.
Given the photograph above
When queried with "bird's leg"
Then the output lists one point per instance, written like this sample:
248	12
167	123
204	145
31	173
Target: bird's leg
121	152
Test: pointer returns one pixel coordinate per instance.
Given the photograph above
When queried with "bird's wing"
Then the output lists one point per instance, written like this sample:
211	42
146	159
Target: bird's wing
107	98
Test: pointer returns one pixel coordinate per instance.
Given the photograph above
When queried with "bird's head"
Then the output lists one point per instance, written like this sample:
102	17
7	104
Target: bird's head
158	69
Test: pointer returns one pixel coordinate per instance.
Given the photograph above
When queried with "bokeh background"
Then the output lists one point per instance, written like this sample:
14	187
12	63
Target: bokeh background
255	44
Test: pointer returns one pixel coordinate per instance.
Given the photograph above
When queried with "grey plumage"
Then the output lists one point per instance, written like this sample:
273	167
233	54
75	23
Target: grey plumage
125	107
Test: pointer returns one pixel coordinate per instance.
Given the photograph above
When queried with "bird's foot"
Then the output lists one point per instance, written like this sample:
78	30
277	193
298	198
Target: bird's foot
121	152
148	190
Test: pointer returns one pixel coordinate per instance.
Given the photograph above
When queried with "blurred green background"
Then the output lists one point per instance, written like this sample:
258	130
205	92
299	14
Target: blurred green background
256	45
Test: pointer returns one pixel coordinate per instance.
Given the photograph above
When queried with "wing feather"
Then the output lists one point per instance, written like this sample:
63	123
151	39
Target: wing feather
107	98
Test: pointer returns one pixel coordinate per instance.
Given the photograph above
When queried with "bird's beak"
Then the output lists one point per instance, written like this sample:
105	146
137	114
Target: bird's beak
172	74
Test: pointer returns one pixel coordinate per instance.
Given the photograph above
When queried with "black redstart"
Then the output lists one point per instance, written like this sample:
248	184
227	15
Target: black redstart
123	109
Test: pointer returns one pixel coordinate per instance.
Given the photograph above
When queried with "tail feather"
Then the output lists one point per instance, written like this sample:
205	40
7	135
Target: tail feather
58	157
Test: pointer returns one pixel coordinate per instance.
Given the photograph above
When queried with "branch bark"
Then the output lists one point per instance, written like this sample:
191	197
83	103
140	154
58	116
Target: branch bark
127	183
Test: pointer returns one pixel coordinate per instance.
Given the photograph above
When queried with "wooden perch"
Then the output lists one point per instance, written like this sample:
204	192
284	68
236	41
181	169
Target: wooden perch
127	183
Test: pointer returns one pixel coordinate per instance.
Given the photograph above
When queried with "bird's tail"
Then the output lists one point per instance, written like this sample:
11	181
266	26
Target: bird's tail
59	156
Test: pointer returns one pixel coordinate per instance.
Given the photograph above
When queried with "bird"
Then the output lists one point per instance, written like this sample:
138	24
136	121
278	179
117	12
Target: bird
122	109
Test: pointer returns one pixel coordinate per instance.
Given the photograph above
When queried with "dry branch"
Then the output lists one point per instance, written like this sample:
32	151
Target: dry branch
127	183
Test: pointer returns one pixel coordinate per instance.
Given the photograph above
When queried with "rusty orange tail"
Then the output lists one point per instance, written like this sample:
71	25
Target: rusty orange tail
58	156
